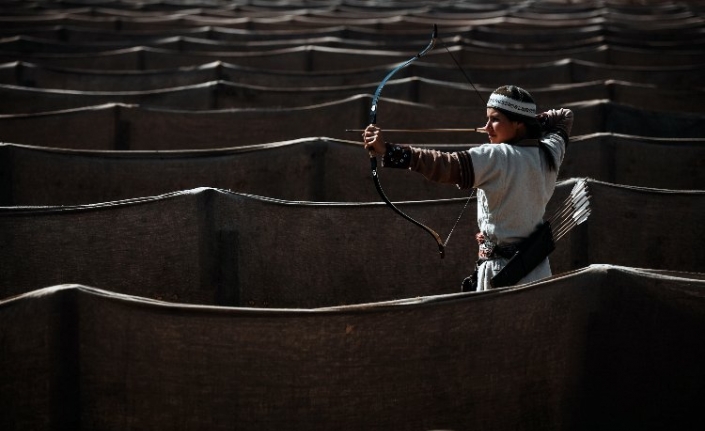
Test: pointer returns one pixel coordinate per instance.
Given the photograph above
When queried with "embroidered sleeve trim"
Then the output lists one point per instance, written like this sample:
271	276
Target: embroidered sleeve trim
397	156
467	172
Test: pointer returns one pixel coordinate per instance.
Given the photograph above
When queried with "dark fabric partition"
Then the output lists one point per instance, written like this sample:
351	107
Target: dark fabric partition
663	76
121	59
680	31
189	238
209	246
172	130
37	75
628	226
23	44
34	75
158	129
27	100
228	95
317	169
320	58
538	74
138	248
307	170
632	120
205	246
40	358
79	34
95	127
497	35
605	347
664	163
643	96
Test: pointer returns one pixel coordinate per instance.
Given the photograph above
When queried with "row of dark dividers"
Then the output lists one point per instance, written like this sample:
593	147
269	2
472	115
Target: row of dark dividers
190	239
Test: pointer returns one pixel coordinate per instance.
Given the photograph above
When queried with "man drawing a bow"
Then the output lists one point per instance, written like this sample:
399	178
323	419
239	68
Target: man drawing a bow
515	175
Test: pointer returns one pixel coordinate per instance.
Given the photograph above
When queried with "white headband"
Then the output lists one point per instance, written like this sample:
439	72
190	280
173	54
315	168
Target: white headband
526	109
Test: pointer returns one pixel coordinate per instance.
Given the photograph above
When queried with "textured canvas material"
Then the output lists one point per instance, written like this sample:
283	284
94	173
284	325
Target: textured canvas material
215	247
168	302
581	352
314	58
584	75
541	75
128	127
314	169
214	95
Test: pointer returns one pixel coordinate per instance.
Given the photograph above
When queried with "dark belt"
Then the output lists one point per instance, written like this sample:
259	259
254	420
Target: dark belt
532	251
487	251
490	251
523	257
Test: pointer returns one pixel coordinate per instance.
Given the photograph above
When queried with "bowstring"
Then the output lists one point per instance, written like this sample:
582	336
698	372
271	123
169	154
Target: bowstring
467	77
373	115
467	201
484	103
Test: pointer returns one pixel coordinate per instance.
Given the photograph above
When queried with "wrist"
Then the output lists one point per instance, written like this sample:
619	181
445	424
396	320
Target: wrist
396	156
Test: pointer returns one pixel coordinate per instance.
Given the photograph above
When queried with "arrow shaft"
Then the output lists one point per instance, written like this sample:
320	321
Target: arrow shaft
478	130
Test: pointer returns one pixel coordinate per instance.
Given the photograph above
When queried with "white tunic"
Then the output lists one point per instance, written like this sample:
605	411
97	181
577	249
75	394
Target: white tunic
514	184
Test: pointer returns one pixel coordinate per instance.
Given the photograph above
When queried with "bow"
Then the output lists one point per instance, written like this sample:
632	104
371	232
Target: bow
373	158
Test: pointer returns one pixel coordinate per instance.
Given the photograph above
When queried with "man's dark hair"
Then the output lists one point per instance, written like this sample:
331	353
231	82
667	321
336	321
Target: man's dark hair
533	127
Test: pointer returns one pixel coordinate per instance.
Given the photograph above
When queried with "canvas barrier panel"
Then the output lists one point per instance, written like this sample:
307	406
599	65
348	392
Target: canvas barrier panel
41	76
605	347
24	44
21	43
219	95
78	34
213	247
564	71
307	170
669	37
681	76
662	163
141	287
319	58
28	100
120	59
315	169
204	246
133	128
33	75
676	29
95	127
145	129
399	19
516	39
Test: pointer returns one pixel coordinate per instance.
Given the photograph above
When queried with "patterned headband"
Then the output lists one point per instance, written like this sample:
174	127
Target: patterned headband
526	109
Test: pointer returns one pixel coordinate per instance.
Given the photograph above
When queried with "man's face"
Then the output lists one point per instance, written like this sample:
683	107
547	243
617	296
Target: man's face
499	128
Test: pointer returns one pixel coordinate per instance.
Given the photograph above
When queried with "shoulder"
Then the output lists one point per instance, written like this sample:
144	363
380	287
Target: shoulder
489	150
501	151
555	141
490	162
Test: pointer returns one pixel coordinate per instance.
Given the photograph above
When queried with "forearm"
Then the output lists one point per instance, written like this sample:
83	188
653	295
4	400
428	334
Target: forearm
559	121
434	165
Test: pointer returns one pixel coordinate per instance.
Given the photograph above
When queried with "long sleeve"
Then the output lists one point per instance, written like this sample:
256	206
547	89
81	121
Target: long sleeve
437	166
558	121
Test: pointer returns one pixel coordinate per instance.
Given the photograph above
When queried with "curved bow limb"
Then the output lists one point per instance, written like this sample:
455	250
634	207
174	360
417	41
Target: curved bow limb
373	157
378	186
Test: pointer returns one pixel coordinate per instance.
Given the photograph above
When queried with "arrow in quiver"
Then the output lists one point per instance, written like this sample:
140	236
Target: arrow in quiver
534	249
